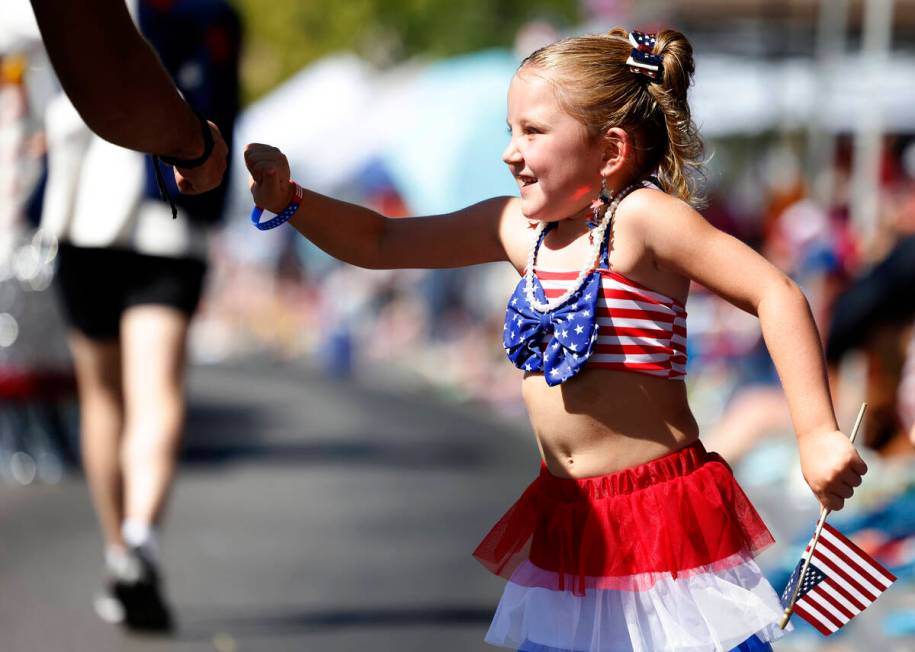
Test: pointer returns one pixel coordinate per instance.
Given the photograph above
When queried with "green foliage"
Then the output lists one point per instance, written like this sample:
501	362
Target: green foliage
282	36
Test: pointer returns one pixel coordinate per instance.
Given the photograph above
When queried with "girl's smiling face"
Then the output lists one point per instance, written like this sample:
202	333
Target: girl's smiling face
557	165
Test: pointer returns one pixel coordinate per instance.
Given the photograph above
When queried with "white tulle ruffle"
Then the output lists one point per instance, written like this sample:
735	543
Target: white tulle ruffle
713	611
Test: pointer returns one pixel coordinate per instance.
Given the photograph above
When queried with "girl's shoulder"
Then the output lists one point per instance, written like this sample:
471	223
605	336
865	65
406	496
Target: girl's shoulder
514	231
513	219
651	204
649	213
644	221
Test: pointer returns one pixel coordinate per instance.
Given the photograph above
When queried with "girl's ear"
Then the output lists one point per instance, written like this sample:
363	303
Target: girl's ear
617	151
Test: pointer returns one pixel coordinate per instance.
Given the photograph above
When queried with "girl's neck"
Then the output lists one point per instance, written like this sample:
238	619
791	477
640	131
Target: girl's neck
569	228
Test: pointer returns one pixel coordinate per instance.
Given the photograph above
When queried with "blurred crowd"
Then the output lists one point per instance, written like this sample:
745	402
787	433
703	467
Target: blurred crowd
277	296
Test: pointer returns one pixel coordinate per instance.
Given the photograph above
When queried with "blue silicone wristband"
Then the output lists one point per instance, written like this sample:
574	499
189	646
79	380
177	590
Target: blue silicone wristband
282	217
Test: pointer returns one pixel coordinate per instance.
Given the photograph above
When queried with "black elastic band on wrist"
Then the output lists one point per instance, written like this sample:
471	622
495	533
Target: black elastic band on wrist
208	144
207	148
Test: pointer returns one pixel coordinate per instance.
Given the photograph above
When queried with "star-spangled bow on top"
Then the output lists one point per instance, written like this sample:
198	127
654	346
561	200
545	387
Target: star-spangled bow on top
643	59
642	41
573	326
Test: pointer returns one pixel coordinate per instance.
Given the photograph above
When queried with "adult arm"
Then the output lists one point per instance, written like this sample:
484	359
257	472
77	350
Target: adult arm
119	87
884	295
684	242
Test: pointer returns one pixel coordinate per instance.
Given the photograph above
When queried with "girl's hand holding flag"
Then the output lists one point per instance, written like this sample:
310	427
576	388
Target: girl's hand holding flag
835	580
831	467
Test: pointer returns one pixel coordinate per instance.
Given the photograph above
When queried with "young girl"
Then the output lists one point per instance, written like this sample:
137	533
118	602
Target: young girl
633	536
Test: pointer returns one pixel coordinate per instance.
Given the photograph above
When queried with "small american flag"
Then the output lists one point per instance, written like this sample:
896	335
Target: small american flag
840	582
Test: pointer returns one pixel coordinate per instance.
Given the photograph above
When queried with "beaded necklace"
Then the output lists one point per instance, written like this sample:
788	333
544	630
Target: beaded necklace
597	240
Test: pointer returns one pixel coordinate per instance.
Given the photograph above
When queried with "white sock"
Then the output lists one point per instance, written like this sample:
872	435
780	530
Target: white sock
121	564
116	559
140	534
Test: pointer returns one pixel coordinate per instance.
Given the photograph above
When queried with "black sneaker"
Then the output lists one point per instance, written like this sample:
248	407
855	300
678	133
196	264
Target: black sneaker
134	598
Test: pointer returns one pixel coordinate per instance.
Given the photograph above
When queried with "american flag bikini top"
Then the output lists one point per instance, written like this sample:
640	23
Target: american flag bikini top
610	321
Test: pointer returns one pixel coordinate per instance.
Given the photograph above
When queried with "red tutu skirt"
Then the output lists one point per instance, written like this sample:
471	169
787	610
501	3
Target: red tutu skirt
655	557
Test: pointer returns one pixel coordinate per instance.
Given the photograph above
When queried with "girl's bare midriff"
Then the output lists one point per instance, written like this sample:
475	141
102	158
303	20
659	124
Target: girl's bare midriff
604	421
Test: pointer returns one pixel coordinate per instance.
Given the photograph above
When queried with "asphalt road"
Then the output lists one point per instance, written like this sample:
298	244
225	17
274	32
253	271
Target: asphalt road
308	515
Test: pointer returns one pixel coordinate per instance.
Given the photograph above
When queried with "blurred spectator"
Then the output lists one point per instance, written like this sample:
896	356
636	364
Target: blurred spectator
875	311
130	279
36	380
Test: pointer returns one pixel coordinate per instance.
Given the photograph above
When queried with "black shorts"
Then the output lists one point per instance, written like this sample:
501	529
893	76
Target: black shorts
96	286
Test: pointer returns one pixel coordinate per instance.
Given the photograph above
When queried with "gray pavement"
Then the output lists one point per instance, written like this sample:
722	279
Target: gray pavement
308	515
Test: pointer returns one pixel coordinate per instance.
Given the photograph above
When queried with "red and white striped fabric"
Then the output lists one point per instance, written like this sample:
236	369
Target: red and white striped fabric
639	329
840	582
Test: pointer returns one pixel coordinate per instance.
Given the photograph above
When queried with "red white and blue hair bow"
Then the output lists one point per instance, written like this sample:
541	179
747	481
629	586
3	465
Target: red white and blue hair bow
642	59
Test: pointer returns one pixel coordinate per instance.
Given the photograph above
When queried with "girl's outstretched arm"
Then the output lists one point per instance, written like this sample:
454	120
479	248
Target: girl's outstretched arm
363	237
679	239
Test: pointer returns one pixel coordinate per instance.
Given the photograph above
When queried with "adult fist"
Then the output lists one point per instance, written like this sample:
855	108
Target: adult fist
193	181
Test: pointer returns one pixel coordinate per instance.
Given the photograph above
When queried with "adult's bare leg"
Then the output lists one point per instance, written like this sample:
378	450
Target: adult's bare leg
154	342
98	373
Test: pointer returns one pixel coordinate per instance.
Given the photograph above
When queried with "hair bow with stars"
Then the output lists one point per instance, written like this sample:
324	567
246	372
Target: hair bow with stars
642	60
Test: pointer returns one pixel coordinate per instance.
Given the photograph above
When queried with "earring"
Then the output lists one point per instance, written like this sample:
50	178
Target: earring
599	208
605	195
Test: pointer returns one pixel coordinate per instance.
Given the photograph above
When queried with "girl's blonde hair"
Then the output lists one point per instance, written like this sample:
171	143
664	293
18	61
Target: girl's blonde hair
594	85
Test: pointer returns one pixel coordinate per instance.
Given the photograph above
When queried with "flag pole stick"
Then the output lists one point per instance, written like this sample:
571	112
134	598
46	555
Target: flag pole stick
816	535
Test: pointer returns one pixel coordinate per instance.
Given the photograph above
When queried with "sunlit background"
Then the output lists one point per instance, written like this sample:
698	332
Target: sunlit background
807	108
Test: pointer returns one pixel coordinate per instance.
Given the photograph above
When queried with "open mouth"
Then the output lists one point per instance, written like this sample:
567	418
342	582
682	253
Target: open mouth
526	180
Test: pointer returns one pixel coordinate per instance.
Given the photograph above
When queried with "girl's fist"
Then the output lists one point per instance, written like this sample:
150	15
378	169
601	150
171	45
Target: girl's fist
831	466
269	170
